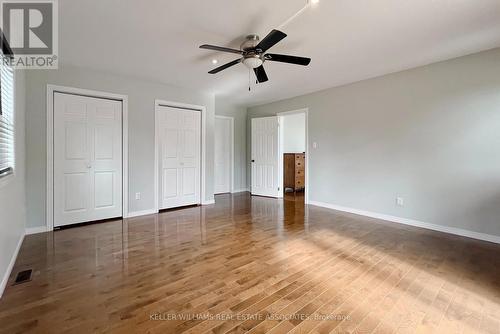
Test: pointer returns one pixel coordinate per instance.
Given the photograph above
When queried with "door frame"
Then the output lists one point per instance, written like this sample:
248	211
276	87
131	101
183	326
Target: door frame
51	90
179	105
280	117
231	120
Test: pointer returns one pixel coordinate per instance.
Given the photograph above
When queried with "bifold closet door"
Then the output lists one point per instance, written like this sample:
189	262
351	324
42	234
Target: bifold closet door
179	157
87	159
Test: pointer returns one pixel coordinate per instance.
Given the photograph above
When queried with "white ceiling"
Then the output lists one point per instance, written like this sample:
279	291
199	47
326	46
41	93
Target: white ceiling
348	40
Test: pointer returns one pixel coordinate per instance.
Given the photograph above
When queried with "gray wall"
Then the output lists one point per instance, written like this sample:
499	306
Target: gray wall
430	135
141	97
224	107
12	196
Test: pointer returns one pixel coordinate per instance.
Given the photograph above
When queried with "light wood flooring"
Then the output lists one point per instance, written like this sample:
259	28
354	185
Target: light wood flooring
254	265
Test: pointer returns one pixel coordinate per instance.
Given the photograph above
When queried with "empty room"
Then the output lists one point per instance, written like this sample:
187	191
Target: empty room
287	166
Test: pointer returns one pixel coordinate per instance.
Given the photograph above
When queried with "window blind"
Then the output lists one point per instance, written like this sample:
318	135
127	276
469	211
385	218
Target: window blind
6	120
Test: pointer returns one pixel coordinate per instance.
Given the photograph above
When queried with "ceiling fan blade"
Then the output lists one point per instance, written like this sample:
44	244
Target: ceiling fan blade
260	72
288	59
270	40
220	48
223	67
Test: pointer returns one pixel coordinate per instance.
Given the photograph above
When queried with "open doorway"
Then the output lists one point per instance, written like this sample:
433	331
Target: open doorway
293	155
271	138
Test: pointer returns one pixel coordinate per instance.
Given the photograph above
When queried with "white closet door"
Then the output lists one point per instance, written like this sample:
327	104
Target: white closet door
87	159
222	155
265	156
180	147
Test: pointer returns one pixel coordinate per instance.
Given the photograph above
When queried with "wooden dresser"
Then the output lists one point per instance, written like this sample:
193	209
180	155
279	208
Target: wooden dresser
294	171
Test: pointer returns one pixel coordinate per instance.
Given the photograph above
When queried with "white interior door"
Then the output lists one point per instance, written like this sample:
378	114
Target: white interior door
265	156
223	141
179	134
87	159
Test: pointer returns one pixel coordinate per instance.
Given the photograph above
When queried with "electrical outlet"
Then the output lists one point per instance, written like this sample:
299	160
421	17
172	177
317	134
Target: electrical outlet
315	145
137	196
400	201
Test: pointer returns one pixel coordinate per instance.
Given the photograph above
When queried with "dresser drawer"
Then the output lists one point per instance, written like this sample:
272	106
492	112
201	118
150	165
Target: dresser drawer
299	157
299	164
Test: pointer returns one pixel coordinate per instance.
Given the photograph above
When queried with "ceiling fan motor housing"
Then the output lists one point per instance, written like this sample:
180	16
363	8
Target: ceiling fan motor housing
251	41
251	58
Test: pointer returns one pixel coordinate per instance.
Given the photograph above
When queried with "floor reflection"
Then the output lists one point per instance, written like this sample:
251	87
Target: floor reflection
253	254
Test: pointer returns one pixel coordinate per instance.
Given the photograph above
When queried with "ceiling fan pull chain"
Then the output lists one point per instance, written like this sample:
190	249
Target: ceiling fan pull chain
249	82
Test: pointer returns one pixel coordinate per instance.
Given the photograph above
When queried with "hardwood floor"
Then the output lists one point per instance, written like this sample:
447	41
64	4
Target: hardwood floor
253	264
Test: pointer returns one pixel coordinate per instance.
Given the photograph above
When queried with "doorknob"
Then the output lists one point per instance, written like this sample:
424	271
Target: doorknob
253	160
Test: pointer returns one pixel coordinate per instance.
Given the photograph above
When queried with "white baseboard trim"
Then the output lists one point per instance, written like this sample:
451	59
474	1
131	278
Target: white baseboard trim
153	211
36	230
411	222
141	213
6	276
240	190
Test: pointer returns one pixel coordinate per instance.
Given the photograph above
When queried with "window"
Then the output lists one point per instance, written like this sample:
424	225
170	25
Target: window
6	112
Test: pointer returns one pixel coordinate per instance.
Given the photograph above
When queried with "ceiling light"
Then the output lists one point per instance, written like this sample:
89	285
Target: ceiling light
214	61
252	62
314	1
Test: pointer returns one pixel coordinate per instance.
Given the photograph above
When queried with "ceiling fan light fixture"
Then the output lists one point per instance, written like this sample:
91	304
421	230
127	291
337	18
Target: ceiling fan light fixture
252	62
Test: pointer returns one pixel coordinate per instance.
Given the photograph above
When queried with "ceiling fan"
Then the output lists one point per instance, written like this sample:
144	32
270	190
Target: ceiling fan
253	52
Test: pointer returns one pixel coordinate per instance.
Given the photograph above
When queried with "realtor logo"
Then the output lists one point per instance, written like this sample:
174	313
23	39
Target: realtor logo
30	28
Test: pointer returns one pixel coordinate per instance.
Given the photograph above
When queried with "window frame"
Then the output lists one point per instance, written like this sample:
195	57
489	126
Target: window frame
5	50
